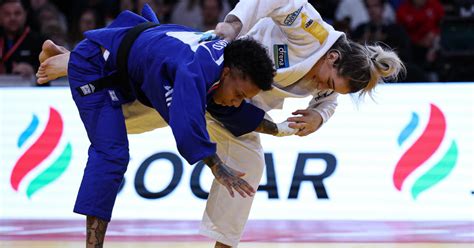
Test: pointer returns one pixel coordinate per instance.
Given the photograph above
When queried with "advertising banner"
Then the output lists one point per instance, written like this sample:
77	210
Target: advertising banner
406	155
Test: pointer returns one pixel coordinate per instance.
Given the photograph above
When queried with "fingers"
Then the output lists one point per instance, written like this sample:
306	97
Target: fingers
229	188
303	127
296	119
243	188
301	112
239	190
230	178
247	188
303	118
304	132
238	184
297	125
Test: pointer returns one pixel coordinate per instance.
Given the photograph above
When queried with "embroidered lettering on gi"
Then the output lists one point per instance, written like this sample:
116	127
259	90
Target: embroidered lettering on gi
292	17
87	89
323	94
280	54
168	95
219	45
113	96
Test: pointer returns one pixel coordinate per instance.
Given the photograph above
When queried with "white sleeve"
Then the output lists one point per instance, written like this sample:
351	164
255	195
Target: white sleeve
324	103
281	11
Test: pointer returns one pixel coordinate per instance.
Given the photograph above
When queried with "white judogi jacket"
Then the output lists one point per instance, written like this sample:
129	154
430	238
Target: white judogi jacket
296	37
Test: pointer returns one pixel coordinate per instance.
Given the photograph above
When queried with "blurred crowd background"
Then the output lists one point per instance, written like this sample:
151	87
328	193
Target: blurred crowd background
435	38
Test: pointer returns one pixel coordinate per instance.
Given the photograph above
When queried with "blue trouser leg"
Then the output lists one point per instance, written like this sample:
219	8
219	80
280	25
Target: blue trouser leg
105	126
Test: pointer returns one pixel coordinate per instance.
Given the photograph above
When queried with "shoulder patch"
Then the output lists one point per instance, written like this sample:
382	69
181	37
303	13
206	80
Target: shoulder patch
314	28
280	55
292	17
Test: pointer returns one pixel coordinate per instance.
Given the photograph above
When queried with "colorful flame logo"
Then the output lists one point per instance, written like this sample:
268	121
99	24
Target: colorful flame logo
38	152
421	150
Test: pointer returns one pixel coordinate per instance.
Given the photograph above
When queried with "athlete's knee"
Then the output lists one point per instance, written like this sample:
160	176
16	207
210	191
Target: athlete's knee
120	155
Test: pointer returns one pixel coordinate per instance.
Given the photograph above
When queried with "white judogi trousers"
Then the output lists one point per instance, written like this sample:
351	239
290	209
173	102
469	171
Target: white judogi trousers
225	217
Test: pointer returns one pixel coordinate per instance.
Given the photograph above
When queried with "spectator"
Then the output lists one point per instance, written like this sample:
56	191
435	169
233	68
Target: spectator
395	3
211	10
88	20
163	8
377	29
355	11
421	19
107	9
188	13
53	24
56	32
466	8
32	15
19	45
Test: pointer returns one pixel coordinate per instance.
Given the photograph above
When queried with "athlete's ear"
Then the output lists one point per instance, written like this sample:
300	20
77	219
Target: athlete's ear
333	57
225	72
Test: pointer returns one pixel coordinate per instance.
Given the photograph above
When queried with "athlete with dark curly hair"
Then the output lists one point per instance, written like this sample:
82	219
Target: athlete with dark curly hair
178	75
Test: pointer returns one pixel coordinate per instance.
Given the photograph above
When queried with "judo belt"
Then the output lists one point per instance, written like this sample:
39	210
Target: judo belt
119	79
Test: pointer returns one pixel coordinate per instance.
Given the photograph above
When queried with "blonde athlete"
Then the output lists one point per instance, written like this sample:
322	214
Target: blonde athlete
311	58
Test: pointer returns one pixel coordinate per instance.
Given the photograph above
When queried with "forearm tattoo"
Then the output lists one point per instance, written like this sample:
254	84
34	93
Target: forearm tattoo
96	229
267	127
212	160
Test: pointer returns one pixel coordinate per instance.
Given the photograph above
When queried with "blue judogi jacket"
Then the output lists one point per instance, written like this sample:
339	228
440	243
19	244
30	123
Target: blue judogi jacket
176	70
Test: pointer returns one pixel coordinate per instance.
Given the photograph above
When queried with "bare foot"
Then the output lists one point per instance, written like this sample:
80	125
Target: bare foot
49	49
53	68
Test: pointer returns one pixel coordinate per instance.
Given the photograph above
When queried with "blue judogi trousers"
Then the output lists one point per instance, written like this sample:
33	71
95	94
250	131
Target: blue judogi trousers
105	125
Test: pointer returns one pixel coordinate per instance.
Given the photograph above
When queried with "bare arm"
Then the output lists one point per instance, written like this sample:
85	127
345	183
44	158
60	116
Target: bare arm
276	129
267	127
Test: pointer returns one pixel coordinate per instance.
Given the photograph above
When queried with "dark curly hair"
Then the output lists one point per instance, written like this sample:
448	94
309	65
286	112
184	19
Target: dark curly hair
251	58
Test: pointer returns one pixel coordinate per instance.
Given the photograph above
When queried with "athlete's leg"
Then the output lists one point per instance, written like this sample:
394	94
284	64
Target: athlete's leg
225	217
95	229
108	152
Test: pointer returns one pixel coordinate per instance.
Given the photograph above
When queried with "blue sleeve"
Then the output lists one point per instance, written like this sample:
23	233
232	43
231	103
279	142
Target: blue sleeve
187	115
239	121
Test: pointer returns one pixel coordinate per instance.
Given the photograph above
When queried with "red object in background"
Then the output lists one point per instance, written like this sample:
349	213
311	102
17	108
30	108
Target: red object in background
420	21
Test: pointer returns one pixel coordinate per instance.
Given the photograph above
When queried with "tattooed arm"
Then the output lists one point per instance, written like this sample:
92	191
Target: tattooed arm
267	127
229	177
280	129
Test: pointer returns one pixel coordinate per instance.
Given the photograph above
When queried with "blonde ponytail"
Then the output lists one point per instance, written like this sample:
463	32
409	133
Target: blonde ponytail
366	65
385	66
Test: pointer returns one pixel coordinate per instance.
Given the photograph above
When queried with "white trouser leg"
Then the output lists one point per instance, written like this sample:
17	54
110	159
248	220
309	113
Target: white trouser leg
225	217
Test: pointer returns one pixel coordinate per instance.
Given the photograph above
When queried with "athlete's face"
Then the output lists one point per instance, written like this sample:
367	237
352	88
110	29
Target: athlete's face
324	75
234	88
